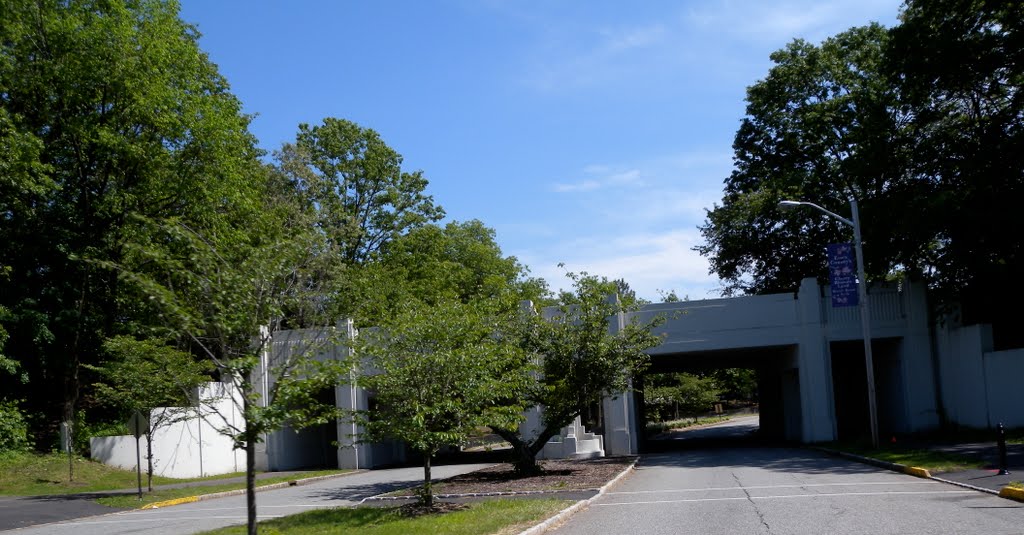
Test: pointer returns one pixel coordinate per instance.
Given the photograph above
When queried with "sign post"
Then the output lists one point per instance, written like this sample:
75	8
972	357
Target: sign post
138	426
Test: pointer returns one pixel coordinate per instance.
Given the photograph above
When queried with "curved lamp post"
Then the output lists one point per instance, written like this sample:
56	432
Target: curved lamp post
865	317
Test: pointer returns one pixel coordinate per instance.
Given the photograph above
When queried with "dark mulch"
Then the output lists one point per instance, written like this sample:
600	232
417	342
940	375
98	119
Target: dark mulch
556	475
413	510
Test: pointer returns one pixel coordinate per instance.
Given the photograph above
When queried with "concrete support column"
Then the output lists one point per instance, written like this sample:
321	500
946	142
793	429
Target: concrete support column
917	365
620	413
351	454
620	429
817	405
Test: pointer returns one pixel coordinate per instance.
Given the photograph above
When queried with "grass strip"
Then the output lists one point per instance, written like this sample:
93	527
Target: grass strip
933	461
491	516
160	495
661	427
33	474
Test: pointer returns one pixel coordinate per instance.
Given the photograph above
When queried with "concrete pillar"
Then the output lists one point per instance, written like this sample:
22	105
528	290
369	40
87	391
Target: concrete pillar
620	436
917	364
620	414
817	404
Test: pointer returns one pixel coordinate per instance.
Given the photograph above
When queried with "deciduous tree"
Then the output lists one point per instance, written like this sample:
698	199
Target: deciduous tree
107	109
440	372
581	360
143	375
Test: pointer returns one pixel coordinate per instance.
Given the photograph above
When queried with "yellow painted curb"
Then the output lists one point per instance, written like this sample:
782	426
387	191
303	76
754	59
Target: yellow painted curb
1013	493
167	503
916	471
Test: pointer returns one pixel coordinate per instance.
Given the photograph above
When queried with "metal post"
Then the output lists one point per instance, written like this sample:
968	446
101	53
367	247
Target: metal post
1001	433
138	465
865	320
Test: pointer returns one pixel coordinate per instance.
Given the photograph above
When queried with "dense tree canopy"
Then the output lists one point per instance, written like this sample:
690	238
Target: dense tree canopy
107	109
921	123
959	65
356	184
819	127
459	261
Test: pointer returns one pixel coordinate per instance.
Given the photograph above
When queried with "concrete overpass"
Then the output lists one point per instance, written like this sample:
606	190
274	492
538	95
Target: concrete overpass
808	356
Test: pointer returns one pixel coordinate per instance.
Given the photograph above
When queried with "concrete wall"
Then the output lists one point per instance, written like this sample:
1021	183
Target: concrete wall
980	387
1004	377
191	446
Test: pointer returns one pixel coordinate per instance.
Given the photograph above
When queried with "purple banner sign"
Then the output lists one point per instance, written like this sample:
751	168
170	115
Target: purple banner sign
842	275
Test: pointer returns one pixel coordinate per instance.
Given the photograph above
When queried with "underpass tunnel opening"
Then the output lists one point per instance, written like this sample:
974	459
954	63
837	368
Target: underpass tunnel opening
310	447
849	386
679	387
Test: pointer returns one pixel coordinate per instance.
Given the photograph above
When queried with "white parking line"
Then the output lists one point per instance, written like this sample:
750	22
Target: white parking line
744	498
866	483
240	518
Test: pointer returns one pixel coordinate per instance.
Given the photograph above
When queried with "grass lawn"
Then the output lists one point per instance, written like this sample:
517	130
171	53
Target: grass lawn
491	516
933	461
660	427
32	474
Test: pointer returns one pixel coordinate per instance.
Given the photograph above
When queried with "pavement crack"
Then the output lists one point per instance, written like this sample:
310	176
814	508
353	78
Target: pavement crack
760	515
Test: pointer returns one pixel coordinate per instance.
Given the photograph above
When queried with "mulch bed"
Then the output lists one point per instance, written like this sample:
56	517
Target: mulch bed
557	475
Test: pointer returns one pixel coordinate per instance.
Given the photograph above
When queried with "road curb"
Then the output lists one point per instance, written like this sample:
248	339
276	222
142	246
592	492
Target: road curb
564	514
1011	493
236	492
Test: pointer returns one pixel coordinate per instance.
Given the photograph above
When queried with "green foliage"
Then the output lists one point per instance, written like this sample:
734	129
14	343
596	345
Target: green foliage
738	384
440	372
819	127
669	396
226	292
431	264
107	109
582	359
958	66
142	375
922	124
14	434
355	183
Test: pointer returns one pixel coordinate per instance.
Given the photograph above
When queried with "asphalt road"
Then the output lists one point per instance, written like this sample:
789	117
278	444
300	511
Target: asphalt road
215	513
786	491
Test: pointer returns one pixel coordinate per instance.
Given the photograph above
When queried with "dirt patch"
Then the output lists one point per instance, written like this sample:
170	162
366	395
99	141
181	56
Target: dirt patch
557	475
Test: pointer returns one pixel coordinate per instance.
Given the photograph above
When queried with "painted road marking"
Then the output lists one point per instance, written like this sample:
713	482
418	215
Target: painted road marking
866	483
745	498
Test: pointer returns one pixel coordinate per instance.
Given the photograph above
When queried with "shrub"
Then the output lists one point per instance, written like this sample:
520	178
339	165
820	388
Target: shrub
13	428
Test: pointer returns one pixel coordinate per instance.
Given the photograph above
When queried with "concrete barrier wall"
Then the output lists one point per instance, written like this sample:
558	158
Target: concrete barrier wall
962	373
189	446
1004	377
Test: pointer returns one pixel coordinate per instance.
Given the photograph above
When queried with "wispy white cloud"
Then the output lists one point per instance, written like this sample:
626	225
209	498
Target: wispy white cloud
779	22
599	177
713	36
650	262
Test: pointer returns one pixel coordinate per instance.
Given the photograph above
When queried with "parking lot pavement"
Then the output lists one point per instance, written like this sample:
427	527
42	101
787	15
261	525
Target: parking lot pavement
211	514
782	490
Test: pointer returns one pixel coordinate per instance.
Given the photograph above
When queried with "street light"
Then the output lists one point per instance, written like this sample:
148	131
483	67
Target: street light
865	317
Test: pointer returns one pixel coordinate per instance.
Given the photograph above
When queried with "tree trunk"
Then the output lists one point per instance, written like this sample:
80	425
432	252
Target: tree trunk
427	495
523	459
250	481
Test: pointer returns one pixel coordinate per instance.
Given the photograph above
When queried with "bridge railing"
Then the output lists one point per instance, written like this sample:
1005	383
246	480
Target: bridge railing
887	306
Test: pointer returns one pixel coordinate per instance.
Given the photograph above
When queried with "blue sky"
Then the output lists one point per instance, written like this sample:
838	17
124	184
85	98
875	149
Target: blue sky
591	133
